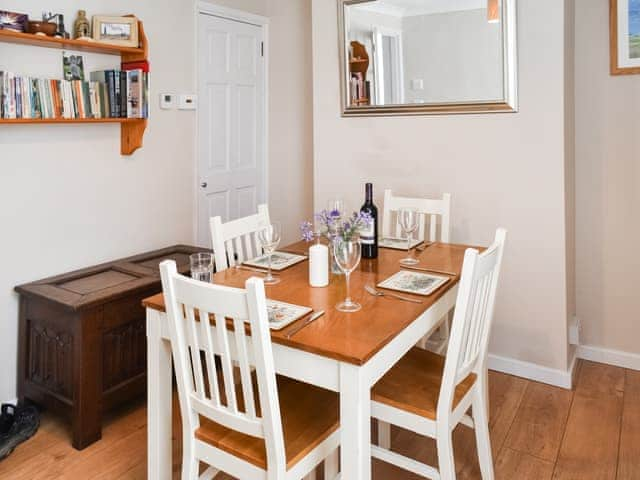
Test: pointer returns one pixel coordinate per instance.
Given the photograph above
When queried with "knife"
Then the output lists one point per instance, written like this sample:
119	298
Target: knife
257	270
429	270
309	320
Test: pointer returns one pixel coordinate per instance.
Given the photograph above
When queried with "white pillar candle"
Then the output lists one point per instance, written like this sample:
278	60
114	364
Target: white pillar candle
319	265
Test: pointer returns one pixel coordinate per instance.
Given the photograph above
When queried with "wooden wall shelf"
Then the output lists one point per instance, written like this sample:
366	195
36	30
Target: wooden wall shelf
131	129
9	36
22	121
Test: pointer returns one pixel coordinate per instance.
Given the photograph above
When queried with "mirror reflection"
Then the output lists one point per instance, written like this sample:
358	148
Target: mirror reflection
420	52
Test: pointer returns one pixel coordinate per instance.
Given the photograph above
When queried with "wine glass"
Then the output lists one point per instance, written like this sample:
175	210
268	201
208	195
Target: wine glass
270	238
347	253
408	219
337	204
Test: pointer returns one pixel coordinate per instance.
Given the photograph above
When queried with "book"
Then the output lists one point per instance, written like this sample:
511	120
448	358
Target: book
135	93
107	94
141	65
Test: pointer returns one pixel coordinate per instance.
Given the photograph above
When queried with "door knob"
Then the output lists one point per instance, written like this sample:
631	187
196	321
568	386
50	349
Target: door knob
204	184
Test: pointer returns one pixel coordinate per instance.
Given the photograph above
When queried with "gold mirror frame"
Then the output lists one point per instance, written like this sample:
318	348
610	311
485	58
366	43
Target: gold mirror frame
509	102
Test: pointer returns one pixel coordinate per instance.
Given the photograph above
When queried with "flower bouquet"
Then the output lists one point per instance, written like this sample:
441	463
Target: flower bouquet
331	225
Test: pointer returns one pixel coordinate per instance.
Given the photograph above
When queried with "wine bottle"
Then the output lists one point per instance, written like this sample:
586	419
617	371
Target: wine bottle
369	236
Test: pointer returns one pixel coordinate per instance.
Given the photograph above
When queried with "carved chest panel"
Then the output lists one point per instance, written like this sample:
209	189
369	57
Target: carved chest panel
82	337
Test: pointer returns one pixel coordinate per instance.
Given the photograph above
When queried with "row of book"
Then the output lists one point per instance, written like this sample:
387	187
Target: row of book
360	89
108	94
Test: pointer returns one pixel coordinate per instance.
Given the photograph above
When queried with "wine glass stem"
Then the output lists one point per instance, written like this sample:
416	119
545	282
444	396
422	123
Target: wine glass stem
346	279
408	245
269	276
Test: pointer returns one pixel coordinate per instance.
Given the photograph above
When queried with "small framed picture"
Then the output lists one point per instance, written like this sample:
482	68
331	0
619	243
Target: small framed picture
625	36
116	30
13	21
73	66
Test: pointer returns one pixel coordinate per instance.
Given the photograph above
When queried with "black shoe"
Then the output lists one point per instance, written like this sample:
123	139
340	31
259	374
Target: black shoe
7	413
17	424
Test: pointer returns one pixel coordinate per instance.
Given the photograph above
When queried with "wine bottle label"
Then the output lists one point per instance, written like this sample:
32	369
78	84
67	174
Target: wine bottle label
367	235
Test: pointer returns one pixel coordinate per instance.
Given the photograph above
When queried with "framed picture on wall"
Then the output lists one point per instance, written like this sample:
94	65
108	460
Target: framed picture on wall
625	36
116	30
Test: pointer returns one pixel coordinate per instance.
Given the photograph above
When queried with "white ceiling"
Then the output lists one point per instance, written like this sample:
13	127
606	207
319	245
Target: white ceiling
410	8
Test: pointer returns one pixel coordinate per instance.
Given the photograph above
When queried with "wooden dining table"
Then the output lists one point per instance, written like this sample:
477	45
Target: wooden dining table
342	352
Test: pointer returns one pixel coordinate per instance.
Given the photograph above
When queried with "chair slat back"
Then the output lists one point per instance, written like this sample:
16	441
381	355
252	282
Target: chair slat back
207	322
237	241
430	211
468	343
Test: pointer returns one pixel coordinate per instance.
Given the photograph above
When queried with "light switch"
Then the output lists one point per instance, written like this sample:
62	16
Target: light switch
417	84
187	101
167	101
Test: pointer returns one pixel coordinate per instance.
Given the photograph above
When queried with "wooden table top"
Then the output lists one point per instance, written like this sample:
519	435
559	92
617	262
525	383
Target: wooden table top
349	337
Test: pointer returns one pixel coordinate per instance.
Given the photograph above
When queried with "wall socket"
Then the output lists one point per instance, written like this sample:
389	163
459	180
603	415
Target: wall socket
574	331
187	101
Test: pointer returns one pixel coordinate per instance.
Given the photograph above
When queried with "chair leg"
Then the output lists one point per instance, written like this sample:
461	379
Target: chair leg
331	465
446	462
483	439
190	464
384	435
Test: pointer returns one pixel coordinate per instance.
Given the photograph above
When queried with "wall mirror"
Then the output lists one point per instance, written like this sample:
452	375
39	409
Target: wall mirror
404	57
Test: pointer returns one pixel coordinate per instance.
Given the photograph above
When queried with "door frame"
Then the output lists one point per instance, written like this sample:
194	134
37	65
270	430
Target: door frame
206	8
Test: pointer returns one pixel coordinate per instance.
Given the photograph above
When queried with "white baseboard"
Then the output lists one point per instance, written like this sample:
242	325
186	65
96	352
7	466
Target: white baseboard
617	358
532	371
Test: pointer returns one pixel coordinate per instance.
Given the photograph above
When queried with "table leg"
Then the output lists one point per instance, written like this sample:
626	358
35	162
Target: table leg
355	412
159	400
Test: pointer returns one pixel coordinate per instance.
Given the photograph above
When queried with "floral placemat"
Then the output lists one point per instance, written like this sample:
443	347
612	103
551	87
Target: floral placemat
279	261
397	243
414	282
282	314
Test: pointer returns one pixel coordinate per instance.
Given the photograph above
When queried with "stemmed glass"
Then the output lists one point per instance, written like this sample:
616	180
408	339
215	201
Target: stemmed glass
408	219
270	239
347	253
336	204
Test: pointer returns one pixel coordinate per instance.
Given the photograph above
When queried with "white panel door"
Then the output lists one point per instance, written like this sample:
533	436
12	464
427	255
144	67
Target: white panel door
231	120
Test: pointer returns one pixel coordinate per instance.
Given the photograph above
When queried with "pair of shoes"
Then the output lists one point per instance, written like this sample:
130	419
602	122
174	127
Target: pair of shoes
17	424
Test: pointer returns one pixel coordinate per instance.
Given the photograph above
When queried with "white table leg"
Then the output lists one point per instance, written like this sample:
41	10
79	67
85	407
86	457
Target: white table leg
159	400
355	412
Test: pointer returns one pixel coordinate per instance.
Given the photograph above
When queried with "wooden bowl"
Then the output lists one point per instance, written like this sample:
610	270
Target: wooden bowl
42	28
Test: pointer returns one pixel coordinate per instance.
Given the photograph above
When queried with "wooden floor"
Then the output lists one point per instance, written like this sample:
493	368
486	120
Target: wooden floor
538	432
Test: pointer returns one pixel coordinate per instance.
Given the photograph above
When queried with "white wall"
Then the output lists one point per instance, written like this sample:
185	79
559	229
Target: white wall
502	170
458	56
67	198
607	188
570	162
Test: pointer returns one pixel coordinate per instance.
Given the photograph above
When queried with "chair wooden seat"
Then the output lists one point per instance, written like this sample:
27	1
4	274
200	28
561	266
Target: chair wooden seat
413	384
309	415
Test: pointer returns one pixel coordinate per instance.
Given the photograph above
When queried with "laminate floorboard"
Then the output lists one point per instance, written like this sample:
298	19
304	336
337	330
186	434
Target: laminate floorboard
538	432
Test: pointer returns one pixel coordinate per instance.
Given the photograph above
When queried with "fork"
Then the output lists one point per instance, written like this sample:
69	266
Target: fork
423	247
378	293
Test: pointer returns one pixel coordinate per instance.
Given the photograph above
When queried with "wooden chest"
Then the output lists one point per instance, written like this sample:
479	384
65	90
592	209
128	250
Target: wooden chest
82	338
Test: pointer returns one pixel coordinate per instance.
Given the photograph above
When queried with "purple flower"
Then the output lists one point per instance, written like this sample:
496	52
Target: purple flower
306	228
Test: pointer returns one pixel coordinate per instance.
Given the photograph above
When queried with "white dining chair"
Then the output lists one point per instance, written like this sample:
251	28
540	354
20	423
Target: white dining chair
237	240
432	212
257	426
430	394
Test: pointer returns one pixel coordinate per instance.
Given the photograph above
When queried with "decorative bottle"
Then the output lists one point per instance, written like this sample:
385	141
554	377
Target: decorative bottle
369	236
